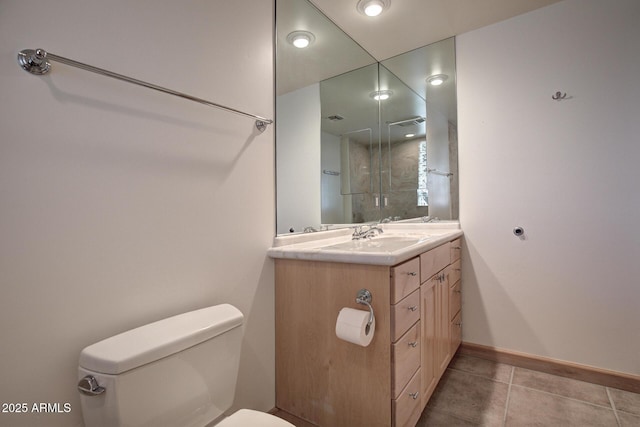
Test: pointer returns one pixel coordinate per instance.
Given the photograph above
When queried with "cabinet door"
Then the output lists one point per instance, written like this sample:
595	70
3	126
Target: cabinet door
428	320
443	322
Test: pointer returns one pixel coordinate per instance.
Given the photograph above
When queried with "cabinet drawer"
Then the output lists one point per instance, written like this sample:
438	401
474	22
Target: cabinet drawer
433	261
404	314
456	332
405	359
455	300
454	272
406	408
456	249
405	278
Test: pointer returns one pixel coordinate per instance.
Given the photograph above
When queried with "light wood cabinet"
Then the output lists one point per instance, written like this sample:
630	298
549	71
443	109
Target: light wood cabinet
455	296
441	301
330	382
428	321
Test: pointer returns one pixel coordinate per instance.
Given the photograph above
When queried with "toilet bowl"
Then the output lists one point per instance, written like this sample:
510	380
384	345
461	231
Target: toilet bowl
179	371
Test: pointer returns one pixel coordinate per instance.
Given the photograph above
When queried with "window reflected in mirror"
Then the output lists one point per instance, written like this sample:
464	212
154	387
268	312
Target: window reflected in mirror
358	140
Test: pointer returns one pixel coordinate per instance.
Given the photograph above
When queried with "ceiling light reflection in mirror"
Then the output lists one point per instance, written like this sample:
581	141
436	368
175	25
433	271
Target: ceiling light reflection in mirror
301	39
331	85
330	54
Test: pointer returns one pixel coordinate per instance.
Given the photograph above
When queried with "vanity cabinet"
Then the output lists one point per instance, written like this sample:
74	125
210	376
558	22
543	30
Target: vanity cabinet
331	382
440	303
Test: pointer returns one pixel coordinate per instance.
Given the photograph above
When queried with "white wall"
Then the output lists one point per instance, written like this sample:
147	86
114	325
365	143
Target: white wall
332	201
566	171
122	206
439	185
298	159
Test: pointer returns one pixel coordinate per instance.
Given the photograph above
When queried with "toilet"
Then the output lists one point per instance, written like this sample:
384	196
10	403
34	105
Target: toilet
180	371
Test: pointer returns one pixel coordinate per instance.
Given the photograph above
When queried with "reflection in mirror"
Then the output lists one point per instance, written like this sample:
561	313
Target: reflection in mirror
403	124
344	157
349	134
298	110
440	174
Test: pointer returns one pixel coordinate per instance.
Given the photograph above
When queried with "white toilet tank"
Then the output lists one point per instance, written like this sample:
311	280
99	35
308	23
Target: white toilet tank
179	371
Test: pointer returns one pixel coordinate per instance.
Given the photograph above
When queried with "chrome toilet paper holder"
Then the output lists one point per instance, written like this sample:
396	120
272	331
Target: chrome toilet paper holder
364	298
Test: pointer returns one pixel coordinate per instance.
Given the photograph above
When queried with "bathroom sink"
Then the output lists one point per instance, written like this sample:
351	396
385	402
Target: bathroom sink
397	243
376	244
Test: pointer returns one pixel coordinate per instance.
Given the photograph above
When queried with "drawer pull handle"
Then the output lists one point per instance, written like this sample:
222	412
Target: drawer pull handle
413	308
415	395
459	324
456	247
458	292
413	344
412	273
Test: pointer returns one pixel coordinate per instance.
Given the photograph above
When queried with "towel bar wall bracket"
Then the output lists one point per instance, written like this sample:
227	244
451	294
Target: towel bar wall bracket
36	61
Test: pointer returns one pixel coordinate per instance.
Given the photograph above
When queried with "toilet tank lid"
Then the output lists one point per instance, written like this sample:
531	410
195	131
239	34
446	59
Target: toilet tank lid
163	338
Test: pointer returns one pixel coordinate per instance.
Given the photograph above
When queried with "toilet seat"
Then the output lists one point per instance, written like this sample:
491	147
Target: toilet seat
250	418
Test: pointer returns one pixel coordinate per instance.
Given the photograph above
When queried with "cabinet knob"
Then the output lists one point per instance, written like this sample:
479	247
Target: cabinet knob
459	325
413	344
413	308
412	273
415	395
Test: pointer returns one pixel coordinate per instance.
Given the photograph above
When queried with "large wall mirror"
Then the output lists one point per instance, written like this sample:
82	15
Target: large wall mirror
359	140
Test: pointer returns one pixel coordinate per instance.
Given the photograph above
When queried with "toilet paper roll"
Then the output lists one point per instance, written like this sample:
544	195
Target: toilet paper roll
351	326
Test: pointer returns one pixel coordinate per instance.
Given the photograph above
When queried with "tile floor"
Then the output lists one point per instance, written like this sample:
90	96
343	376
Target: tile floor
478	392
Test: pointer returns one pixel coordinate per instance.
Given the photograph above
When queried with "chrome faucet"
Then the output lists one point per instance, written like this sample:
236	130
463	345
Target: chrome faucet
430	219
390	219
372	231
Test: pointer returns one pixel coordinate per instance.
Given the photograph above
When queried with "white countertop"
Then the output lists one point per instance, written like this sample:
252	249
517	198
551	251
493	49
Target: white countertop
398	242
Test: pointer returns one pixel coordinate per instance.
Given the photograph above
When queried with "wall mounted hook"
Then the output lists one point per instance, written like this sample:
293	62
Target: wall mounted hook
559	96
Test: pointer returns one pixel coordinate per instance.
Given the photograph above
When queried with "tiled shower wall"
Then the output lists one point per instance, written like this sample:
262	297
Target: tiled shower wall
399	179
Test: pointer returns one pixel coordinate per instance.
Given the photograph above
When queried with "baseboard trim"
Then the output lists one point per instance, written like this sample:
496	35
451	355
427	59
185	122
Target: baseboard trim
561	368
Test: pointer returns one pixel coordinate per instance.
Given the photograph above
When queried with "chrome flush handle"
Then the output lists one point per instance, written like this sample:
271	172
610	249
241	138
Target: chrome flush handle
89	386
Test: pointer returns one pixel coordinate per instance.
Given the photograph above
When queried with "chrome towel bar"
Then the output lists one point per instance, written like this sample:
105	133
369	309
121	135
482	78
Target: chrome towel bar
437	172
37	62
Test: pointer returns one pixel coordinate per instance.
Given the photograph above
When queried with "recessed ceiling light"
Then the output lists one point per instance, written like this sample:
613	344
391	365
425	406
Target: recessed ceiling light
381	95
372	7
409	135
301	39
437	79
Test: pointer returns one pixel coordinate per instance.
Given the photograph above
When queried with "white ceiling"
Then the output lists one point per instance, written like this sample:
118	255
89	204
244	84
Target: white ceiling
409	24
